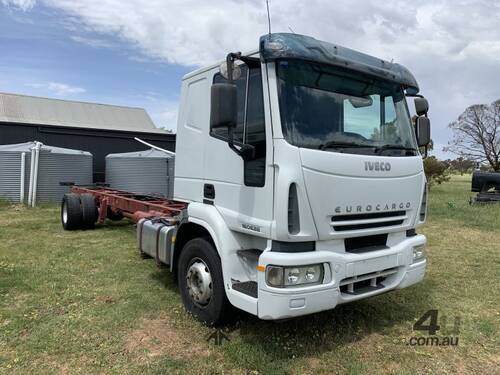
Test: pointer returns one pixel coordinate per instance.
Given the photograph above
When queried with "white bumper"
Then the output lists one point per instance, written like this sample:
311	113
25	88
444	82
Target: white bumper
281	303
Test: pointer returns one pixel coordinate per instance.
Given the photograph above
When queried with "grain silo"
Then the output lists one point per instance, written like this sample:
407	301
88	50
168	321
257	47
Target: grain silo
149	172
32	171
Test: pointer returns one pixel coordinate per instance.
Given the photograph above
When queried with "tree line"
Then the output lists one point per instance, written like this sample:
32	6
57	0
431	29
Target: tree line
476	142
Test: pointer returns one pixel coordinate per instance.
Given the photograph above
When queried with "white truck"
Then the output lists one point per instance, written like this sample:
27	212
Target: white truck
303	181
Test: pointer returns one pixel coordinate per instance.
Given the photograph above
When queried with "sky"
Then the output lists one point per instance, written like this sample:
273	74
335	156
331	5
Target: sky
134	53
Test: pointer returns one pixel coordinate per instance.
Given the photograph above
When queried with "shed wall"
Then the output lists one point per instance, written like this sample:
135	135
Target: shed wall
98	142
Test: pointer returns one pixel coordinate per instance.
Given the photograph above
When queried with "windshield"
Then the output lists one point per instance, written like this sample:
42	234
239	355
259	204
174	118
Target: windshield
323	107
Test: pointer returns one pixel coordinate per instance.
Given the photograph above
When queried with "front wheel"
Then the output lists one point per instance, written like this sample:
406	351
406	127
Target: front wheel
201	283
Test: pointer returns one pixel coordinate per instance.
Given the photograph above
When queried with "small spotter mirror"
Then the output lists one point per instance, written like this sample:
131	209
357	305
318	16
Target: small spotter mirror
236	71
421	106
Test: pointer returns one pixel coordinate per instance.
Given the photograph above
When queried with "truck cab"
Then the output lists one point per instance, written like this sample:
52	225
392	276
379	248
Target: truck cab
303	177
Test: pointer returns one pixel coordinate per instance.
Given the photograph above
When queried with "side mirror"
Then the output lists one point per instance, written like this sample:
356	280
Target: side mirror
421	106
423	131
223	106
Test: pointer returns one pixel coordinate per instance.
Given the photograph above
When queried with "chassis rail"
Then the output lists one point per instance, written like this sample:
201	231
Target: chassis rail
131	205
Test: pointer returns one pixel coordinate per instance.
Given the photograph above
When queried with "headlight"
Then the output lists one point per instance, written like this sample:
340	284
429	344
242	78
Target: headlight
418	253
282	277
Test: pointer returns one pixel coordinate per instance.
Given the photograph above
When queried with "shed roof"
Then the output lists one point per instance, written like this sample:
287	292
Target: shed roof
25	109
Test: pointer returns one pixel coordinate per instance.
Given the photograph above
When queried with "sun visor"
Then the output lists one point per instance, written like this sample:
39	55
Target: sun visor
300	47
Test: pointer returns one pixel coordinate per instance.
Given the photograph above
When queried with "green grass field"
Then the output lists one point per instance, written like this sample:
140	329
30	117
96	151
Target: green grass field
85	303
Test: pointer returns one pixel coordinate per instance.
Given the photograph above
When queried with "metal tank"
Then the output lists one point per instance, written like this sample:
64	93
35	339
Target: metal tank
148	172
42	175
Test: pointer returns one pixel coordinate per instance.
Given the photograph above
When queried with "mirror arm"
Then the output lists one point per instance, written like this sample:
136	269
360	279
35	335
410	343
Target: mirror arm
414	95
230	140
239	152
230	58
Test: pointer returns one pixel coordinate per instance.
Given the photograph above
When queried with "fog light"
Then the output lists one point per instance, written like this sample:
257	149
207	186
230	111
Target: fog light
283	277
418	253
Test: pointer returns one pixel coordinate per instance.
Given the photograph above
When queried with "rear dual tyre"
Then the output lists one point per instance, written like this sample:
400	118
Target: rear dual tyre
71	212
78	211
89	211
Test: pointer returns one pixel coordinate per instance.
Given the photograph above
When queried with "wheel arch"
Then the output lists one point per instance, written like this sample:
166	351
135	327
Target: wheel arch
186	232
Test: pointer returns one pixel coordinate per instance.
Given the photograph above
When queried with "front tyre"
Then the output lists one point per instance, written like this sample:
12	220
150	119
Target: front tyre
201	282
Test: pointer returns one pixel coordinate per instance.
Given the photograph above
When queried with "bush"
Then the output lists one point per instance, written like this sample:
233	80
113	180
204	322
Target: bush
436	171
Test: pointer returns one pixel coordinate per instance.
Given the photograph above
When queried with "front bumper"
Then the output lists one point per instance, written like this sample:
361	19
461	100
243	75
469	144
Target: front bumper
340	268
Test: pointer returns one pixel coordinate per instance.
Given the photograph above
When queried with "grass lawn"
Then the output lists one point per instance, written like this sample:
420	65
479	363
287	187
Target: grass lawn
84	302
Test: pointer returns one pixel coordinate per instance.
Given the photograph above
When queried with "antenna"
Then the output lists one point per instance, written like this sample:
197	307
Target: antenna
290	28
268	16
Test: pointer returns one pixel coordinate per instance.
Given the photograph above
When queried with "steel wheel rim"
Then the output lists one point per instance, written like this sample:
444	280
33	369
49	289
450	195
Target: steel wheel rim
199	282
65	213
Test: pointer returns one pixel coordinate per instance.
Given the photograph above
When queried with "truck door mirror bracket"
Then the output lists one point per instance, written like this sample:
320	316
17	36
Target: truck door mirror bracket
224	107
247	152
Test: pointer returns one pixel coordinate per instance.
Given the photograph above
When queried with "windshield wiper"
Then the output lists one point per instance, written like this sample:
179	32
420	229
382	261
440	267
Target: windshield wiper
394	147
333	144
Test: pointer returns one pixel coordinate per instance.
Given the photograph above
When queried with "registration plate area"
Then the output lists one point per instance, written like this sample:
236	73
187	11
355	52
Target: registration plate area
373	265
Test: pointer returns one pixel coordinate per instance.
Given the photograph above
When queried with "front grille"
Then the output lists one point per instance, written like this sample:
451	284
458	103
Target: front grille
365	244
367	221
367	282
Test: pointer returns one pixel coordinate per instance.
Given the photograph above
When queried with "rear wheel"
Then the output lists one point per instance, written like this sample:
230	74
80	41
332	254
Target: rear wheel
71	212
89	211
201	283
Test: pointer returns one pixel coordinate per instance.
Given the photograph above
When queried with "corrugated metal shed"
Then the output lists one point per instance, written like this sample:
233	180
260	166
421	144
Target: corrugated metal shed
150	171
24	109
55	165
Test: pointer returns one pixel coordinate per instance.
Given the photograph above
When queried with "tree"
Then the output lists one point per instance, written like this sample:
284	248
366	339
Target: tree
461	165
476	134
436	171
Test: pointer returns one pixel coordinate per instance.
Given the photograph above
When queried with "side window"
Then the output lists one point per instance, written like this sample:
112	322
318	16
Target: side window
255	131
389	128
241	85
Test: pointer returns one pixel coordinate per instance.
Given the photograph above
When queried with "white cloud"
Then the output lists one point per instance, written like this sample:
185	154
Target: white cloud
21	4
452	47
57	88
92	42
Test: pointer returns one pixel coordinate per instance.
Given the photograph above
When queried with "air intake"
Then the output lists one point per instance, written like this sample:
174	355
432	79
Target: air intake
423	207
293	210
368	221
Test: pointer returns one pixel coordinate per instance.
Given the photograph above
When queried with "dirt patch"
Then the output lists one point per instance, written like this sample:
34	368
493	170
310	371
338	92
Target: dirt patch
157	337
105	299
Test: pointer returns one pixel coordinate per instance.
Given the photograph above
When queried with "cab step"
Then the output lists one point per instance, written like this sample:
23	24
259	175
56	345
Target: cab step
246	287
